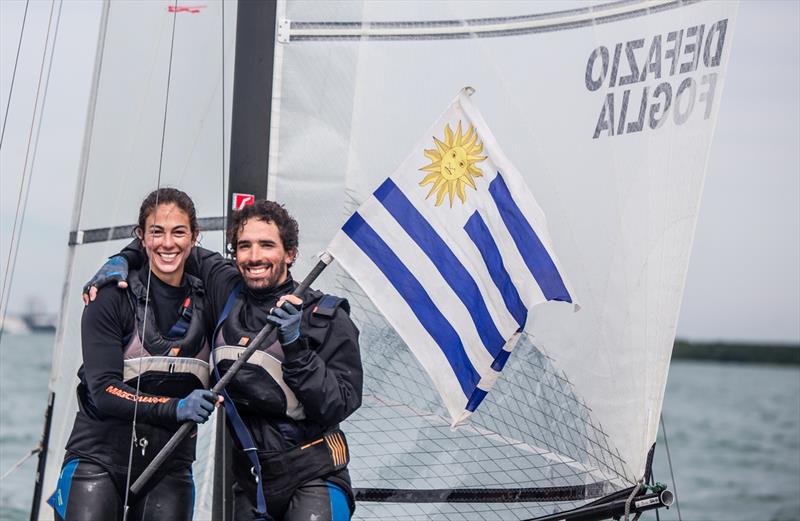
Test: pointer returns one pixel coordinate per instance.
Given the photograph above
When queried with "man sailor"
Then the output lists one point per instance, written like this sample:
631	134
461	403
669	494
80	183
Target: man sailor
305	378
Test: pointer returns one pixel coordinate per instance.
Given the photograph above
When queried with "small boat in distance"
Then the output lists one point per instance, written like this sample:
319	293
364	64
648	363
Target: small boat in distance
33	320
40	322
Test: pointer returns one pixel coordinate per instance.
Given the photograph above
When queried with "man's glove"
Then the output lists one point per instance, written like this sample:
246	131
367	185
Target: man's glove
287	319
115	270
196	407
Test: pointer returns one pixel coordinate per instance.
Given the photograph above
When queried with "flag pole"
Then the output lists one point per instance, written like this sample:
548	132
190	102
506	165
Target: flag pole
185	429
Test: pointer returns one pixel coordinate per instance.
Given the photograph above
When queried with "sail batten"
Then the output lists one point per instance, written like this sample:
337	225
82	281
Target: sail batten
474	28
125	231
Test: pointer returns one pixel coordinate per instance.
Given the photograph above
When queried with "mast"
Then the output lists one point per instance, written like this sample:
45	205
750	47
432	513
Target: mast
252	99
42	463
249	164
64	315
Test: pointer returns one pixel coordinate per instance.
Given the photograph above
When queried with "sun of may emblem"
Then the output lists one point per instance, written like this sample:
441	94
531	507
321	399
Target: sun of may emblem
453	164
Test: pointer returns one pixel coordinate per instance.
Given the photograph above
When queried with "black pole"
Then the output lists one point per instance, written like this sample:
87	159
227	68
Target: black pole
187	427
222	501
252	99
613	509
39	483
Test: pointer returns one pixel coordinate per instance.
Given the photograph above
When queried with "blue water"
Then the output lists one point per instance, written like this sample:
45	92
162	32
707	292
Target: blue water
733	432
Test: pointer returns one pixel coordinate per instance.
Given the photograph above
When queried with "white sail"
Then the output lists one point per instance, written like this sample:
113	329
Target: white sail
575	413
123	157
608	111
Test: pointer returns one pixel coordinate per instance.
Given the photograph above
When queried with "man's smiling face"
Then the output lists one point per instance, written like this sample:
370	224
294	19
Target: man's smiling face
260	256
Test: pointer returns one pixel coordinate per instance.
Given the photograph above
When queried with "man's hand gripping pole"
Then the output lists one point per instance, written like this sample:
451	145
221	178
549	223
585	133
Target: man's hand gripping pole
184	429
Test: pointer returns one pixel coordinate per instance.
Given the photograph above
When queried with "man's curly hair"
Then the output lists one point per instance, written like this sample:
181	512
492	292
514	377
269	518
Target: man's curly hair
266	211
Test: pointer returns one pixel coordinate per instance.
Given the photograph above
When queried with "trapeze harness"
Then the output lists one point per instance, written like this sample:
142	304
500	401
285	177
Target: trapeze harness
177	363
311	458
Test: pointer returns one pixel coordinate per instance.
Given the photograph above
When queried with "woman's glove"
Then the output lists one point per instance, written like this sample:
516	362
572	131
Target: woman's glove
196	407
287	319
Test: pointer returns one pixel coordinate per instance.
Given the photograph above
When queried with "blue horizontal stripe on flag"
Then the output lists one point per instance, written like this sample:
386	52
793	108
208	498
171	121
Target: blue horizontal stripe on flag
417	299
530	247
451	269
482	238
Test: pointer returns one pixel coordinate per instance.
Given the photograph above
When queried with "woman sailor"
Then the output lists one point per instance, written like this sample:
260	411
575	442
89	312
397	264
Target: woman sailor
145	371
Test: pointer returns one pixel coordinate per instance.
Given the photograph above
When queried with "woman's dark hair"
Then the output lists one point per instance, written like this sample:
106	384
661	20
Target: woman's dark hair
166	196
266	211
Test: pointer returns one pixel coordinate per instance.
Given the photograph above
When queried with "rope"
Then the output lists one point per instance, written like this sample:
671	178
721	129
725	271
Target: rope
630	499
14	74
150	272
671	475
27	174
36	450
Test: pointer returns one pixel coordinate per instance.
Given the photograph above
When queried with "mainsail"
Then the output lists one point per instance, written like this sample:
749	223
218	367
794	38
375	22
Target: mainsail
608	112
153	81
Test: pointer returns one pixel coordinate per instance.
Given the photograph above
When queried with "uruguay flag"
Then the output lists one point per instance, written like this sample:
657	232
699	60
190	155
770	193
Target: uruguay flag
453	250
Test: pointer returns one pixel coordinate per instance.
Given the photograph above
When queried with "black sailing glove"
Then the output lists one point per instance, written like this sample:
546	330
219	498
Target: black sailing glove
115	270
287	319
196	407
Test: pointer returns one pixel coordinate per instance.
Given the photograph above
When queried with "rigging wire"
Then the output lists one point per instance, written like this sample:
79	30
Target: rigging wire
149	271
34	451
14	74
224	190
27	173
221	411
669	461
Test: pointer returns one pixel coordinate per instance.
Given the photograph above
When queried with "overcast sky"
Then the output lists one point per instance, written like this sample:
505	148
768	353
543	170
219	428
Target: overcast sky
744	275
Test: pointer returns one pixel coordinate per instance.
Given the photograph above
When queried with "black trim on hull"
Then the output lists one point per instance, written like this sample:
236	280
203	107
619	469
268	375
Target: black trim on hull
606	507
482	495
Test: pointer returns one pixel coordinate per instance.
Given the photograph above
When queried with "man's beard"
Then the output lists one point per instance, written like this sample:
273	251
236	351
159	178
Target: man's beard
277	271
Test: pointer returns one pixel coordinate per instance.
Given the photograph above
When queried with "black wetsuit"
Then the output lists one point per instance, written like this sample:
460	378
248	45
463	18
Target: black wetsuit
94	475
322	370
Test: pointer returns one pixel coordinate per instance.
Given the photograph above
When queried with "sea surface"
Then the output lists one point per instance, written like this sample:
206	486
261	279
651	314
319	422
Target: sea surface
733	434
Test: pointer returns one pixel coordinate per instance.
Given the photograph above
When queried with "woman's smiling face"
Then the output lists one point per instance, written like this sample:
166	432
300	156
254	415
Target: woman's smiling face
168	240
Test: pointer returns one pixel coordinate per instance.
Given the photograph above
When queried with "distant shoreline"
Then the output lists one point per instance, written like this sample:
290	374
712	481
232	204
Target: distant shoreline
738	352
749	353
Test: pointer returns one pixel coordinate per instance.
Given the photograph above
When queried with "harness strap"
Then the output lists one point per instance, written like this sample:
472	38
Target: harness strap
239	428
229	304
181	327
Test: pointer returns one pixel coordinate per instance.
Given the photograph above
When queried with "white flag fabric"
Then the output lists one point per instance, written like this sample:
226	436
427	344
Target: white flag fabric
453	249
